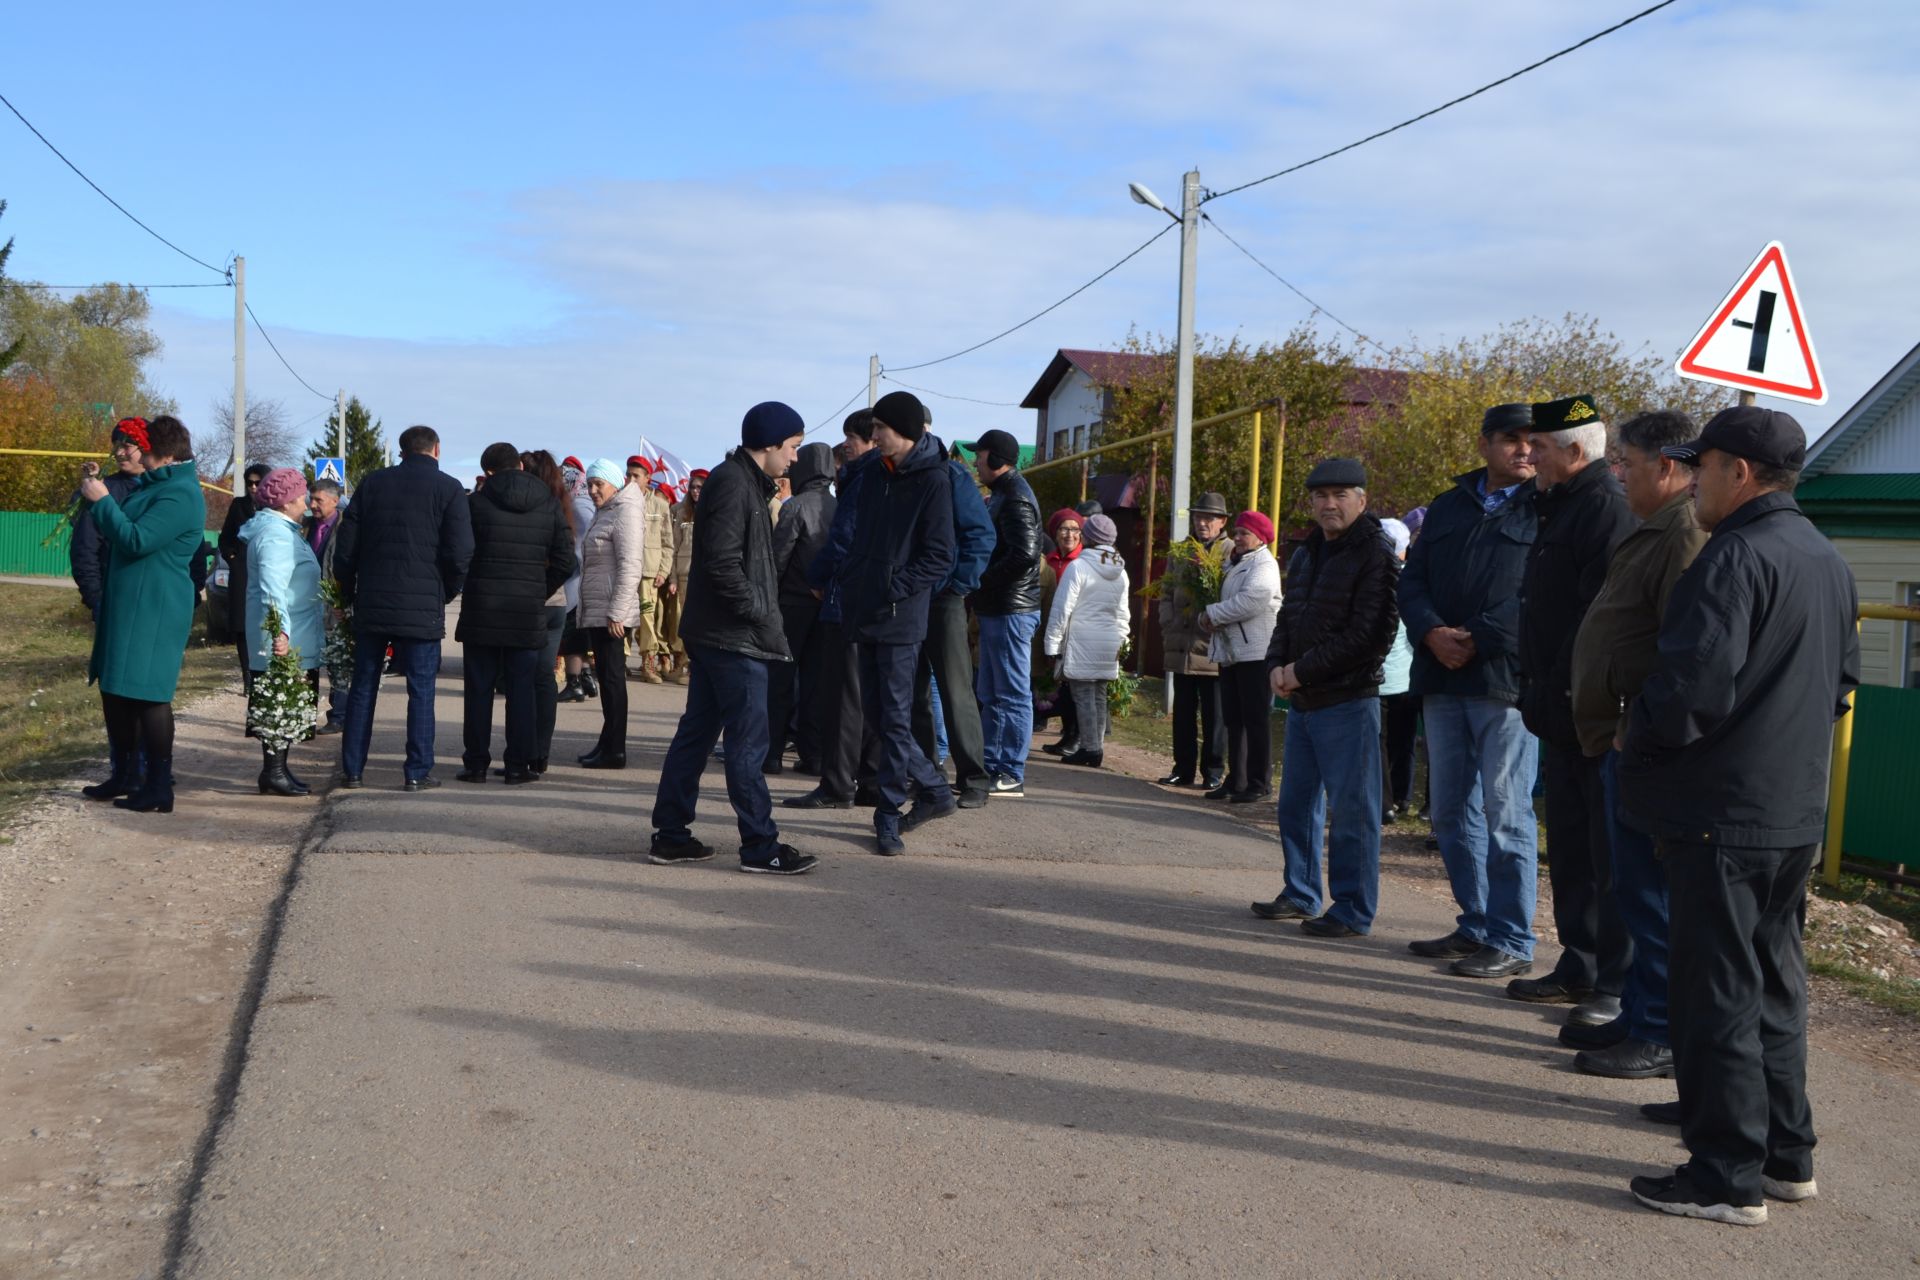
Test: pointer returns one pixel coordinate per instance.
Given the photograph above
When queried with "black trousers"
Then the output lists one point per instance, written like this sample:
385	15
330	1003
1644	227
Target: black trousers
484	665
1738	986
1596	948
792	684
610	669
546	694
946	657
1400	723
849	753
1199	726
1247	701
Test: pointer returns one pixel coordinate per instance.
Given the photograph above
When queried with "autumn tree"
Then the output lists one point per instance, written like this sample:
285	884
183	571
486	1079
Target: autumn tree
94	349
12	349
269	438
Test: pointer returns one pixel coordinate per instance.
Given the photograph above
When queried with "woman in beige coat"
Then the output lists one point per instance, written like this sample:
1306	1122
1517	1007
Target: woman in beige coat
610	569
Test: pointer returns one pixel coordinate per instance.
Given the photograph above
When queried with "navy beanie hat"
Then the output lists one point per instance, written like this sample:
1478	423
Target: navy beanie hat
770	423
902	411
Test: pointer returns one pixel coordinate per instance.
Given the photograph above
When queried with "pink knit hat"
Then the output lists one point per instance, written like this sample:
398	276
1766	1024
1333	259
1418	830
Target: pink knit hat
280	486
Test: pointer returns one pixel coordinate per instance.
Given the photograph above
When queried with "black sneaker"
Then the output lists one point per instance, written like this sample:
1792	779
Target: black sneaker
1008	787
972	798
1677	1195
670	853
785	860
1787	1189
1281	908
925	811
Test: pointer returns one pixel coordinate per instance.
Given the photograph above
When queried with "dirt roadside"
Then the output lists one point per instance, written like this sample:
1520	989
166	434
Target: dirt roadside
126	946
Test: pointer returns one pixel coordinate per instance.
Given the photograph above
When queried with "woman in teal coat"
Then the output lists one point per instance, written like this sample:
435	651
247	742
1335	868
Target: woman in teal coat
147	608
282	577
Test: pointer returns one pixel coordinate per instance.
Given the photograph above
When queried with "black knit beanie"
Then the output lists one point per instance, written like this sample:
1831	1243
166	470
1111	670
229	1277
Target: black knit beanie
903	412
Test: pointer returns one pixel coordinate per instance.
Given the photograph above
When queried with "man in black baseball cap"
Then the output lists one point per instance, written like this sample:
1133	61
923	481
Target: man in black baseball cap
1724	763
1007	604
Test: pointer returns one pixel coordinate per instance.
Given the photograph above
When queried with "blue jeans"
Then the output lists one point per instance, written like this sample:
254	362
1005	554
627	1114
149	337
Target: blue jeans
1481	762
419	663
886	695
1332	756
939	721
1004	687
1640	891
726	692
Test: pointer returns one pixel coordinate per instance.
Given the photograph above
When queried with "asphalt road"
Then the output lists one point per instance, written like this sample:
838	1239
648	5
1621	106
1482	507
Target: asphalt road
1050	1041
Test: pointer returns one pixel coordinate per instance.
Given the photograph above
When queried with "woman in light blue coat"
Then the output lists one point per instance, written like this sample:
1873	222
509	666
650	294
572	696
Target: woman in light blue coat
283	576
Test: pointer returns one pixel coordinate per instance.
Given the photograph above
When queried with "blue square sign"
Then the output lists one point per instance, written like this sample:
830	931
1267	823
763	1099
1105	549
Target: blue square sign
334	469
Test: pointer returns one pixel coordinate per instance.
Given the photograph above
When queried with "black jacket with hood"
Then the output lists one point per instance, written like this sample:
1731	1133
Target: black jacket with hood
733	595
522	553
804	521
1337	617
903	546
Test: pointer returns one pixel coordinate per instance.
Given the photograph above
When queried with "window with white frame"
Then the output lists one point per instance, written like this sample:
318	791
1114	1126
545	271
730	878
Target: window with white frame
1908	593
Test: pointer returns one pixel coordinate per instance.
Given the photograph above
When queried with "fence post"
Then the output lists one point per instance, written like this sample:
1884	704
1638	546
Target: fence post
1279	455
1253	482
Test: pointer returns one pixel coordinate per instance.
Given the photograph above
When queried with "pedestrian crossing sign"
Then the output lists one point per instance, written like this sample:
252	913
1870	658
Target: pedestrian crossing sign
334	469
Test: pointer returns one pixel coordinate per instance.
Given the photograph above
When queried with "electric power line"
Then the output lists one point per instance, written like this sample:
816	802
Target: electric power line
1295	289
944	395
1495	84
907	368
210	284
283	360
837	412
103	195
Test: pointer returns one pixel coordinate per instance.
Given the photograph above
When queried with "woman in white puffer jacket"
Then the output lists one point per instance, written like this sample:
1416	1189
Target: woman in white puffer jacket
1087	630
1239	626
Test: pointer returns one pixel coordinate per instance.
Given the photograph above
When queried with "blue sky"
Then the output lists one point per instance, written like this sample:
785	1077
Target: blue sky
572	225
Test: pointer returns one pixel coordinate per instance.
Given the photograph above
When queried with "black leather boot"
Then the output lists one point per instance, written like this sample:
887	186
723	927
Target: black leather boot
273	774
156	793
124	780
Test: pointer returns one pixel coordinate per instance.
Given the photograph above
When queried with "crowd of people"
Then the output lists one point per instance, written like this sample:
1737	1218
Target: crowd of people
1638	621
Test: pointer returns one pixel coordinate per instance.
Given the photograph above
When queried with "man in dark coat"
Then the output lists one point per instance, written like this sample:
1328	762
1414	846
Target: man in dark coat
402	553
1460	597
902	552
522	554
849	753
802	530
1338	618
1007	603
87	551
731	628
946	656
1583	516
1725	764
234	552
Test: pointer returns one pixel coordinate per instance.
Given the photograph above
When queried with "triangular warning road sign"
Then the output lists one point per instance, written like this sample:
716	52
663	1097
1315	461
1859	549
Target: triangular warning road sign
1757	339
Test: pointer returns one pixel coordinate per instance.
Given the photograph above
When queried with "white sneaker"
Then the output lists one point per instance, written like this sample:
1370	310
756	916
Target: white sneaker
1791	1192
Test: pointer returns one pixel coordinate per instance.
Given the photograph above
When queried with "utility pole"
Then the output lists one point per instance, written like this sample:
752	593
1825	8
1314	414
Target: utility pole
1183	377
873	380
340	419
239	375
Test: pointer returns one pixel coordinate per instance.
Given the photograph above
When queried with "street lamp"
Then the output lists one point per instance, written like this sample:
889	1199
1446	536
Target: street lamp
1189	220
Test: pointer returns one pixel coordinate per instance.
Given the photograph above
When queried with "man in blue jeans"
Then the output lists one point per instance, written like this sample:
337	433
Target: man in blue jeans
1337	620
732	631
1460	598
1616	650
1007	604
401	554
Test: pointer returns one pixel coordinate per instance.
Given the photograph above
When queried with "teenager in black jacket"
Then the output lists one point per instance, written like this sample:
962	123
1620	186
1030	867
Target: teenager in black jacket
731	629
805	520
522	553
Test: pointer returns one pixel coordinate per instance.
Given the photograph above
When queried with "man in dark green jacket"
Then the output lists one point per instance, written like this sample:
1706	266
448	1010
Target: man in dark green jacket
1615	652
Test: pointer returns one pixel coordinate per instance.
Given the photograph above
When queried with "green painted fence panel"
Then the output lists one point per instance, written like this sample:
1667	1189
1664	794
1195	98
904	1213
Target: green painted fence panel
1883	800
22	535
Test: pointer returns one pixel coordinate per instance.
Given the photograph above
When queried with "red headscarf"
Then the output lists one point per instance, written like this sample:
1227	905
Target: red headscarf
1057	558
134	431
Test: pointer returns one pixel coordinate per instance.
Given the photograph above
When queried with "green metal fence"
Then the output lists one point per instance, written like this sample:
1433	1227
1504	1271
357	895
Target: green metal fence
1883	823
32	542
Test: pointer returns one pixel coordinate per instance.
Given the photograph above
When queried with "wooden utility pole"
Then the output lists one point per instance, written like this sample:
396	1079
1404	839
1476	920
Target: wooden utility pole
239	376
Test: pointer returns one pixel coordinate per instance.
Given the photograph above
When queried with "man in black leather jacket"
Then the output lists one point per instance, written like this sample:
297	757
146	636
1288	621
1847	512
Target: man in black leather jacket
1007	603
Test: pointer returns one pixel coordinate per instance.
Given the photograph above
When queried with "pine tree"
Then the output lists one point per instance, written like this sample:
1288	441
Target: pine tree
366	446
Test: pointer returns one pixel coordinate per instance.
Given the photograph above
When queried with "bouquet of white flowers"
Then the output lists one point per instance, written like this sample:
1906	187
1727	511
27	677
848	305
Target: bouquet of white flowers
338	651
280	709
